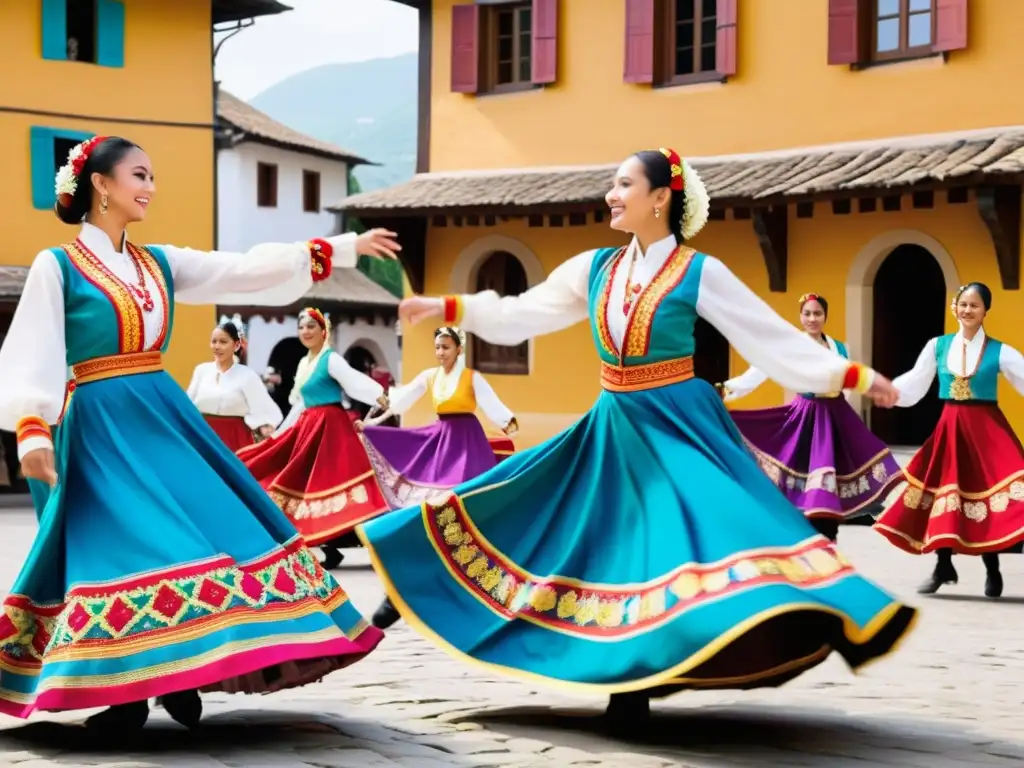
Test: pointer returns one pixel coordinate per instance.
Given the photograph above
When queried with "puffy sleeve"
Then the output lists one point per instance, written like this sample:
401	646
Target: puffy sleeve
401	399
263	411
193	386
487	399
357	385
1011	365
914	384
33	358
557	303
768	342
273	274
744	384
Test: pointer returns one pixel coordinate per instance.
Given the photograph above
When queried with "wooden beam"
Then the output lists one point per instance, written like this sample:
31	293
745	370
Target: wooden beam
999	207
771	225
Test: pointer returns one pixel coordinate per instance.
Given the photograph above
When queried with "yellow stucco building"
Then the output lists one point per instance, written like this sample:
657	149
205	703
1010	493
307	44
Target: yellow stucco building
861	149
133	68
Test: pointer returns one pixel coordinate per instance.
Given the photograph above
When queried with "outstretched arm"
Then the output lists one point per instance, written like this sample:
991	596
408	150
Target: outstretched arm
356	385
913	385
744	384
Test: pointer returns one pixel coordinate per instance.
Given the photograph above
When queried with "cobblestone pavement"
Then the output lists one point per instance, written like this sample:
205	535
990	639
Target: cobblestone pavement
951	696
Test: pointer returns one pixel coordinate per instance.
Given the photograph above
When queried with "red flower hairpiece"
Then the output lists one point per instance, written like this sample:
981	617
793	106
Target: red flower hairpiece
808	297
67	176
677	183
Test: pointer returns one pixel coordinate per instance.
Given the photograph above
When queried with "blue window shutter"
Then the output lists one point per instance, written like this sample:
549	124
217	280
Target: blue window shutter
110	33
41	144
55	30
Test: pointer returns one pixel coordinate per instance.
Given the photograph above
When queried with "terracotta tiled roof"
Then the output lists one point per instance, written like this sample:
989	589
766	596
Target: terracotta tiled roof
253	125
347	286
760	178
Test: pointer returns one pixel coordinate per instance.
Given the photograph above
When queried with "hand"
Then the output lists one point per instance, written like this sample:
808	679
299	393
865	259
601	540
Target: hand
38	465
416	309
511	428
379	243
266	430
882	392
272	378
358	425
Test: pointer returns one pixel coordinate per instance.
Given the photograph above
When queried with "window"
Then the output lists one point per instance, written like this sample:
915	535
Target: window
903	29
501	272
266	185
311	192
49	151
688	48
88	31
508	49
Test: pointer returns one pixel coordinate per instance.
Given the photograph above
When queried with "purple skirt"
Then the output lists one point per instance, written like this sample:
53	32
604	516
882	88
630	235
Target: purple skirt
415	464
821	456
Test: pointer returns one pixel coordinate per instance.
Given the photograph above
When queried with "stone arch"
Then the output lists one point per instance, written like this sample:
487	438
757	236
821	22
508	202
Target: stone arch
375	350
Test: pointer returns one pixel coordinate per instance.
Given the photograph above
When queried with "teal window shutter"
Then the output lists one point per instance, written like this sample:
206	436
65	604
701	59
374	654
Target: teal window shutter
55	30
110	33
43	147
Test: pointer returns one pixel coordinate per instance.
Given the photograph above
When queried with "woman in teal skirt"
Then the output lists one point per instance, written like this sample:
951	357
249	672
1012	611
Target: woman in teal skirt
641	551
39	490
161	568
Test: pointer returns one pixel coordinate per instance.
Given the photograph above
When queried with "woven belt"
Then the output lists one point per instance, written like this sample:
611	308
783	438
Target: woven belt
112	366
635	378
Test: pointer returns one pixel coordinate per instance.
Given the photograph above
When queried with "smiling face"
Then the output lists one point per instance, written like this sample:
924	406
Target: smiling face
812	317
223	346
631	200
129	188
446	350
310	333
970	309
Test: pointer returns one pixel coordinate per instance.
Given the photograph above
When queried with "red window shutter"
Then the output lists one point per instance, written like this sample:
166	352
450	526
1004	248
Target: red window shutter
950	25
544	39
725	37
844	25
465	48
639	66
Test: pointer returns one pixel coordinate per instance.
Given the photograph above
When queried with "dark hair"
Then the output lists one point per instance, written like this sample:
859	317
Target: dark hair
103	158
231	330
658	171
983	291
818	298
450	332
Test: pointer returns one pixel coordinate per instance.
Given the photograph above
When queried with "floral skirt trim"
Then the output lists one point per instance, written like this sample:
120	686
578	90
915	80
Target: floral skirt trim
342	502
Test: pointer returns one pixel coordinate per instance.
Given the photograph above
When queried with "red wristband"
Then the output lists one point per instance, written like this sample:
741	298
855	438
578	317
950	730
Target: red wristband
851	377
452	310
320	255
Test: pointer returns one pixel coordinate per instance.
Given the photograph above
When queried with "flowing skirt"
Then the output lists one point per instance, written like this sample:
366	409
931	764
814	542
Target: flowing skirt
160	565
232	430
965	486
318	473
821	456
413	464
640	549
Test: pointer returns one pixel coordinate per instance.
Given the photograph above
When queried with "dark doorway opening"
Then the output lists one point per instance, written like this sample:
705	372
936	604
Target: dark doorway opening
711	353
910	306
284	359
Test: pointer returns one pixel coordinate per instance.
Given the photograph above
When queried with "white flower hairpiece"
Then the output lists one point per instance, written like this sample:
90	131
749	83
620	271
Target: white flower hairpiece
66	183
698	202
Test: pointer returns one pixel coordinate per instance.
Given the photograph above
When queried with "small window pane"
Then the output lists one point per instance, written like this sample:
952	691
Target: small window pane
888	8
506	23
684	61
920	31
684	10
707	30
525	44
525	18
505	47
888	35
708	9
920	5
707	58
525	75
684	34
504	72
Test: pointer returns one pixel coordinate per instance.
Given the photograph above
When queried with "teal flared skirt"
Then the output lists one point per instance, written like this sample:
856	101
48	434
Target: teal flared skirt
641	549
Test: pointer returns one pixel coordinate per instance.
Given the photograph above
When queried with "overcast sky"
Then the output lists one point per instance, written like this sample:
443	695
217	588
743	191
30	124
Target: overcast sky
316	32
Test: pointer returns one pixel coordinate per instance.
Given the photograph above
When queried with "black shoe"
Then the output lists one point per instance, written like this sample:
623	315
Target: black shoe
123	717
332	557
385	615
185	707
943	574
626	709
993	584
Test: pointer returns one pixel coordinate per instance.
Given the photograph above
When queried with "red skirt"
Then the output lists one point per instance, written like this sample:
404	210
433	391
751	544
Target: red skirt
966	486
318	473
503	447
232	430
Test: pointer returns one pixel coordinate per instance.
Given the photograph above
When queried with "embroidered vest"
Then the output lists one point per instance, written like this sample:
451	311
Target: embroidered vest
463	399
660	327
842	352
981	384
101	317
321	388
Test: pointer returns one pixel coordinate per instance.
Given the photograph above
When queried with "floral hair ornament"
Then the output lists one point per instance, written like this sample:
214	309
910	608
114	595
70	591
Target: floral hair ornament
318	317
808	297
698	202
453	332
67	176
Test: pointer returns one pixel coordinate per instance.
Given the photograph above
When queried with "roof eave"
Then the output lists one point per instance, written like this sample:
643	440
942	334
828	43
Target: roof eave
229	11
243	136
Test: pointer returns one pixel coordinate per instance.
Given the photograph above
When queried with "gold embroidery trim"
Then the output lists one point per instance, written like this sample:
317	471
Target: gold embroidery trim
128	312
635	378
601	320
99	368
637	340
152	266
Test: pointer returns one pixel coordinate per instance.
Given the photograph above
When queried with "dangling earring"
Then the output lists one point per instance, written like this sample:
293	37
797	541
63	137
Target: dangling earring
103	205
657	213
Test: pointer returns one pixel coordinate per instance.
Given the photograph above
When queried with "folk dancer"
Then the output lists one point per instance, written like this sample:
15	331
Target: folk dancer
160	567
642	550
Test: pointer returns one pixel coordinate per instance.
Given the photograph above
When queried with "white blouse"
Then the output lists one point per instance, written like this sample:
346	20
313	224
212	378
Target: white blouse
913	385
754	377
356	385
753	328
405	397
33	356
238	391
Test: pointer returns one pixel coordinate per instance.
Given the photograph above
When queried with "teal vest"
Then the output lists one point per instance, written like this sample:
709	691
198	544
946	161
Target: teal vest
661	326
842	352
982	385
321	388
100	318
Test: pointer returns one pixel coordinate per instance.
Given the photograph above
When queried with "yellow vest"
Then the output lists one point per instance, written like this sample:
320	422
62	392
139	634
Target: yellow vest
463	399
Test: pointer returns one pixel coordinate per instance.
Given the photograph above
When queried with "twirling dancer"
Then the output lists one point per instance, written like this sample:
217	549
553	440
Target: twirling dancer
314	467
414	464
816	449
231	396
642	550
965	491
160	568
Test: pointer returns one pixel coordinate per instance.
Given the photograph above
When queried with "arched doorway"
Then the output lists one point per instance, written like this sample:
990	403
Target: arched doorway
360	358
504	274
711	353
284	359
909	302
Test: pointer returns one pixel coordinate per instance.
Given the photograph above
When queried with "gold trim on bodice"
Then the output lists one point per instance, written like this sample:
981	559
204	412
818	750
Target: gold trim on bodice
99	368
635	378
